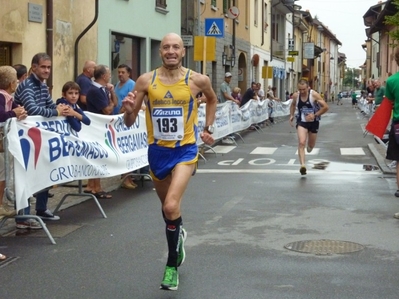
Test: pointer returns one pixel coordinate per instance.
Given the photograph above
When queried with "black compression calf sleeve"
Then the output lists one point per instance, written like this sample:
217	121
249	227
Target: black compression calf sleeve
173	228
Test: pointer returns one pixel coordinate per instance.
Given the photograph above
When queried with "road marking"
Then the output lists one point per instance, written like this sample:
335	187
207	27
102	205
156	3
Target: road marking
262	161
286	171
354	151
221	149
314	152
263	150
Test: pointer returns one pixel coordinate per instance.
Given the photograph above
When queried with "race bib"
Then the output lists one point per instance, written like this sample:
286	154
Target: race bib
168	123
305	112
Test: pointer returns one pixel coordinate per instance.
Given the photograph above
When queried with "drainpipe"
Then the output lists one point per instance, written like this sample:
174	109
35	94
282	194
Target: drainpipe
75	67
49	39
263	28
234	36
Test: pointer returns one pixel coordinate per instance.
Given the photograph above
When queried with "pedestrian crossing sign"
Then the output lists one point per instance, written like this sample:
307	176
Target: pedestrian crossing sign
214	27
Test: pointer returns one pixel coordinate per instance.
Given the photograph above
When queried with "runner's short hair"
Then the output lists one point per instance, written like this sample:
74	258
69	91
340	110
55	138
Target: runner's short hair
303	81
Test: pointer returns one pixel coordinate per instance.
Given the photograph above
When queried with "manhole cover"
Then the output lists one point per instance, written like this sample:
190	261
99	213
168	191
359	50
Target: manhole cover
324	247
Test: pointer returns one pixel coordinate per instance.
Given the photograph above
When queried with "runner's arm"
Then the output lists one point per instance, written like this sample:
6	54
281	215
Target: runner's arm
133	101
322	103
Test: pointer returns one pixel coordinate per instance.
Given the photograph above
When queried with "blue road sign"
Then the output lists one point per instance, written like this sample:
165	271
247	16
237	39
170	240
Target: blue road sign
214	27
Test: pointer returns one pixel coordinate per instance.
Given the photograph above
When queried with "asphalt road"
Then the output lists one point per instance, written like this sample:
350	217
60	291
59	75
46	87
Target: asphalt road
241	209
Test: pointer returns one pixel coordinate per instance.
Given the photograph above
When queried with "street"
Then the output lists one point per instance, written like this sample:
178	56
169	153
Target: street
243	210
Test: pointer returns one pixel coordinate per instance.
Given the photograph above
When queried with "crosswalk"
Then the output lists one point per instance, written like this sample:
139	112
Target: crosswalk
344	151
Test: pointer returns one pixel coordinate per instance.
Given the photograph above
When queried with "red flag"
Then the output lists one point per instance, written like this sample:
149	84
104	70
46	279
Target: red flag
378	123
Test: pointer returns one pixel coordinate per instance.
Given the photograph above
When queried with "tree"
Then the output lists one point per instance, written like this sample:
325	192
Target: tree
394	21
351	78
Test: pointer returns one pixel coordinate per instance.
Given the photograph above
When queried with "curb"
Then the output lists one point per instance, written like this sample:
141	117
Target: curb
378	152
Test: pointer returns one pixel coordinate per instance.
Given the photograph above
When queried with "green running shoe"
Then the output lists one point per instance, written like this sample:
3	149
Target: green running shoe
182	253
170	280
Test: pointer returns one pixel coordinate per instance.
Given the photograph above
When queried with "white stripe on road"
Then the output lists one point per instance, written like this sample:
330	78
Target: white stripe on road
286	171
354	151
315	151
263	150
221	149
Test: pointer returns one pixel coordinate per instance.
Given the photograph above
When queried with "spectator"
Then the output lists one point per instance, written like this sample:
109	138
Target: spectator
22	72
339	101
270	106
34	96
236	94
70	97
85	81
261	92
274	90
392	94
225	95
370	91
101	99
379	92
354	99
124	86
287	95
225	90
8	109
250	94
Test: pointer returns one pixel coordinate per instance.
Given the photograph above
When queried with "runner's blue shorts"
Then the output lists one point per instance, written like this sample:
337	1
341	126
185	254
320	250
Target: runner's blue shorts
162	160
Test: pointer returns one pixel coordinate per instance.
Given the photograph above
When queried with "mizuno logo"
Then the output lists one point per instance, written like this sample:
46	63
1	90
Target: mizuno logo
167	112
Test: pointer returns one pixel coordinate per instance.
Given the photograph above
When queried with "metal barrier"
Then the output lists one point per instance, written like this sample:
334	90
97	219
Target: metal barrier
10	194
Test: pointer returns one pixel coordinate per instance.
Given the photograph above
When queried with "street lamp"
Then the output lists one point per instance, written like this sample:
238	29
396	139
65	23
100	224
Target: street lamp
320	28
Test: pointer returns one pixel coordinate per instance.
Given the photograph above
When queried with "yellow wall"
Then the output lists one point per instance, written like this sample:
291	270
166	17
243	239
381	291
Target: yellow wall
28	38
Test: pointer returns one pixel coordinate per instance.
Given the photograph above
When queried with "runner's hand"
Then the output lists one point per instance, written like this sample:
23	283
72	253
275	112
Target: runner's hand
129	102
207	138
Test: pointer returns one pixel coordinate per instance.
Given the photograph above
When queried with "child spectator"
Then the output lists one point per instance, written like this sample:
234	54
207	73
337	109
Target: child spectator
70	96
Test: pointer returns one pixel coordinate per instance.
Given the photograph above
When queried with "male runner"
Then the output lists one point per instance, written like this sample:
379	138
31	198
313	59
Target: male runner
310	106
172	127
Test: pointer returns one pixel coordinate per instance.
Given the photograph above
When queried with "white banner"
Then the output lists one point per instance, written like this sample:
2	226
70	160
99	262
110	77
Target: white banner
230	118
48	152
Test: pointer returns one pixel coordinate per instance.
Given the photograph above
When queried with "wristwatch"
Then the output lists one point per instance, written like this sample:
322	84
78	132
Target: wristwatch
210	129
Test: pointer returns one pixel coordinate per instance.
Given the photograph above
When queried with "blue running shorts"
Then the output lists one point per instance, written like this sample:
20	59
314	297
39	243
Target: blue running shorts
162	160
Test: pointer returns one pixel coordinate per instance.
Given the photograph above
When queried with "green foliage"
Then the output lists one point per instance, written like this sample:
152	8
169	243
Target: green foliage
350	80
394	21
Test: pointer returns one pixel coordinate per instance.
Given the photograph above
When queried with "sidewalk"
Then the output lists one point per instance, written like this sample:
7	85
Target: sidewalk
109	184
379	151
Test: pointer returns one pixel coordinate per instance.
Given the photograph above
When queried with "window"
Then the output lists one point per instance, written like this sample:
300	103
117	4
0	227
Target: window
213	3
161	3
226	6
5	54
